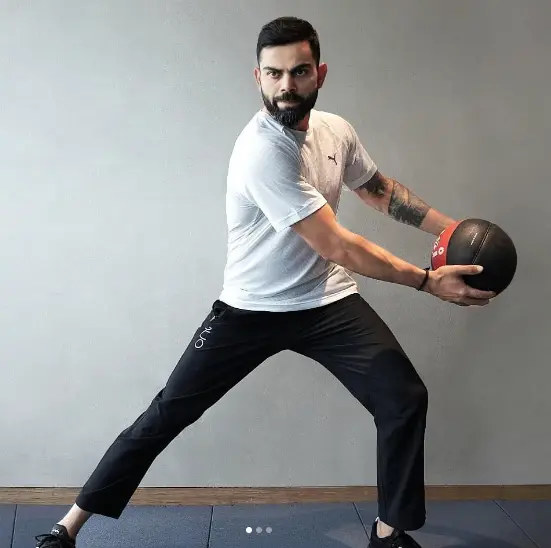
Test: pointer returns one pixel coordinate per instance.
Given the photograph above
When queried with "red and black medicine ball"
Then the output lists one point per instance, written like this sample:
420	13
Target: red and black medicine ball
481	242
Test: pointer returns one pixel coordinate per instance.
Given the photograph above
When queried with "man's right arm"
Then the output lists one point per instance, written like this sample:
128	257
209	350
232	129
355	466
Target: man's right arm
333	242
326	236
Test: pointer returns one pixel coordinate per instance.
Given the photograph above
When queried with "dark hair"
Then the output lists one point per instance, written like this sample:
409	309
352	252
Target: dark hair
288	30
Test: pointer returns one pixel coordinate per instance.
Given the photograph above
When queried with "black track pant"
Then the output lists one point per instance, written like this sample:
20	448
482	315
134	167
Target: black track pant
347	337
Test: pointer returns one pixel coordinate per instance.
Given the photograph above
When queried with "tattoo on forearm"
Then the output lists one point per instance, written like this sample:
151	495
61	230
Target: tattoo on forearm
403	205
376	185
406	207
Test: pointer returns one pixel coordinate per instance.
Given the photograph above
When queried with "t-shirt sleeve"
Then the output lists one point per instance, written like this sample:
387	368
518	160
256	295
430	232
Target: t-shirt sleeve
272	180
360	167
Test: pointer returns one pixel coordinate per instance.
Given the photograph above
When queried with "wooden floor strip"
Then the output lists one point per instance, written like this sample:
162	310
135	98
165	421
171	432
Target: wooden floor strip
216	496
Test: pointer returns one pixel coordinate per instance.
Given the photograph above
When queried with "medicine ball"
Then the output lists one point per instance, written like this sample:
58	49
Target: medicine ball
477	241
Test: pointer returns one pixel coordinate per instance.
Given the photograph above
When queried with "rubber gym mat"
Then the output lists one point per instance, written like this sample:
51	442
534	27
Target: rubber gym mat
7	518
466	524
143	526
277	526
532	516
462	524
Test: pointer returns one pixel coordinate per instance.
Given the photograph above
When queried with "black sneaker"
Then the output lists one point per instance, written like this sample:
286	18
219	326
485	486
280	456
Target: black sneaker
398	539
58	537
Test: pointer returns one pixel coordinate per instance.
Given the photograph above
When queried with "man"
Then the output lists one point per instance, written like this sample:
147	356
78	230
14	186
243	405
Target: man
286	287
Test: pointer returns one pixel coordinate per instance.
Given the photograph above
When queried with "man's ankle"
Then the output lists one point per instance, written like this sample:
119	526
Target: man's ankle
74	520
71	531
384	530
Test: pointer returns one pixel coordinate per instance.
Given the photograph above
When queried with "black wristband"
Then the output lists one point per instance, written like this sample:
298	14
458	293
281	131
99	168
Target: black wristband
425	280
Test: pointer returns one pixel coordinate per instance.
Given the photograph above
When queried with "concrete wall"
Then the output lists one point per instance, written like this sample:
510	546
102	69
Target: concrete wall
118	120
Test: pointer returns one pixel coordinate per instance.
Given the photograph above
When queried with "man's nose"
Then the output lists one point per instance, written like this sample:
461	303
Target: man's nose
288	83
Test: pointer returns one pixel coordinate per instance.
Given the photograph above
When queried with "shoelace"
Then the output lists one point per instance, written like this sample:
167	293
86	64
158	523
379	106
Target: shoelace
56	542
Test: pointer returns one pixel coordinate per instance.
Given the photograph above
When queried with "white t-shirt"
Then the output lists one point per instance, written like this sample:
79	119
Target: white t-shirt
276	177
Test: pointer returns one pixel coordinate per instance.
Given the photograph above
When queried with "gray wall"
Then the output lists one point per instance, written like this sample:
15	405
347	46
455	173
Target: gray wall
117	122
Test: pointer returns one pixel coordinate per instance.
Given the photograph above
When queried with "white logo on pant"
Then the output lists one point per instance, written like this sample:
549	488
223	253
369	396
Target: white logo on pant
202	337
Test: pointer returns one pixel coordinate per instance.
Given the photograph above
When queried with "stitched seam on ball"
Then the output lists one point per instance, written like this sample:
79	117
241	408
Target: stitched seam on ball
482	243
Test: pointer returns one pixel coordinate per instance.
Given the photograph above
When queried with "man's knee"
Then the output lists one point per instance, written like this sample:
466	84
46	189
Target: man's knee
419	396
403	389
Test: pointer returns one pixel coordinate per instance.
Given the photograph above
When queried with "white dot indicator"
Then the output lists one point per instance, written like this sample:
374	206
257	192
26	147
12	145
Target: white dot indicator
249	530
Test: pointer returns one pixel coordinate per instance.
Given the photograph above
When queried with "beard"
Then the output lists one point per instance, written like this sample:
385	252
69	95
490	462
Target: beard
290	116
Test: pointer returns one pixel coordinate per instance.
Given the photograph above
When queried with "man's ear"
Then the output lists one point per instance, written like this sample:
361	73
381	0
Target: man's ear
257	76
322	74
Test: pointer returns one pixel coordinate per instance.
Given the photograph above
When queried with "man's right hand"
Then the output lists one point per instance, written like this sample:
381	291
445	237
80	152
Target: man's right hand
447	284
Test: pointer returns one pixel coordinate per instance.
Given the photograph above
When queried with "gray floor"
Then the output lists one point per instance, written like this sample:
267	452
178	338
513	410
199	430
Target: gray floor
491	524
